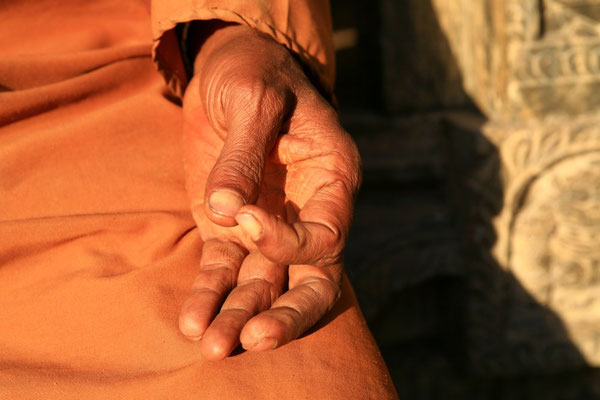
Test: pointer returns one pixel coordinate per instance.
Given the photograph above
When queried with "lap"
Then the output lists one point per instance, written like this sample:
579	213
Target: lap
99	250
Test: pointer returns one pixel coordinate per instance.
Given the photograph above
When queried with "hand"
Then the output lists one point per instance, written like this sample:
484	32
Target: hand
272	177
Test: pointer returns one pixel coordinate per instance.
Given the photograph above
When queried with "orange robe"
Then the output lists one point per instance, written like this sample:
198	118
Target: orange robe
98	249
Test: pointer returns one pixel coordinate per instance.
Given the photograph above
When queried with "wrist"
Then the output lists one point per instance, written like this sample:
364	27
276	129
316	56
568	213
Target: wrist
246	43
207	37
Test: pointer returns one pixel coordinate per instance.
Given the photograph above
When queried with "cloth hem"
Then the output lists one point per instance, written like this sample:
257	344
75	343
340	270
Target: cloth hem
177	83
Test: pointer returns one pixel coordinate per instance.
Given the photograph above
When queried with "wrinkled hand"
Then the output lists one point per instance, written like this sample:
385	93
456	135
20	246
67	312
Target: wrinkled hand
272	177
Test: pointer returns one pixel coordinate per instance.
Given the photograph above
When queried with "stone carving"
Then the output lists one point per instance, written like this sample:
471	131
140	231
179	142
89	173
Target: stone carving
550	227
533	67
555	70
526	58
534	307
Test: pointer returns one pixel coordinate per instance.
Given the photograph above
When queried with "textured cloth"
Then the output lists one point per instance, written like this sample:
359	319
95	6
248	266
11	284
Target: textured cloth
98	248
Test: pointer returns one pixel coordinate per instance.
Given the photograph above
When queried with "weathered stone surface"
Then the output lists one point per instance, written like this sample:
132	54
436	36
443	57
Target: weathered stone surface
526	58
556	72
471	29
548	237
533	66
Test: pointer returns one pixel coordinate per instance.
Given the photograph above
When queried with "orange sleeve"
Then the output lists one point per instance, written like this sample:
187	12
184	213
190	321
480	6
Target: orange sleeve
303	26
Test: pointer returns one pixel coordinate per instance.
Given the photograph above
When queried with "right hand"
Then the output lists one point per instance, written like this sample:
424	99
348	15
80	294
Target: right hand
273	209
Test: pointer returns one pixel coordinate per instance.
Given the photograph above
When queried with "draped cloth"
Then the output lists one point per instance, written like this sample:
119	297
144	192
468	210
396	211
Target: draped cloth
98	249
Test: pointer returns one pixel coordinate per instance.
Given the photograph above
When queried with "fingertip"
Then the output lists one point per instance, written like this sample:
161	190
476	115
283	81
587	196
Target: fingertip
195	316
257	222
263	332
215	345
263	217
267	343
222	206
190	327
250	225
255	211
214	350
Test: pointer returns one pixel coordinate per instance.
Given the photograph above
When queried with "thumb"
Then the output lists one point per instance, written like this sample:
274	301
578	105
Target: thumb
253	119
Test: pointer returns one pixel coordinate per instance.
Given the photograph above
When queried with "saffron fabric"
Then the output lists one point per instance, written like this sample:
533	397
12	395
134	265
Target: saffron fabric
98	248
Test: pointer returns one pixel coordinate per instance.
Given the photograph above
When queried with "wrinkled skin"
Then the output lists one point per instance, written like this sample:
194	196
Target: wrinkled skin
258	134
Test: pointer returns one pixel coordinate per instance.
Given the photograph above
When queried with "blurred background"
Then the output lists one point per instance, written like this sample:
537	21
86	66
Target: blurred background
474	252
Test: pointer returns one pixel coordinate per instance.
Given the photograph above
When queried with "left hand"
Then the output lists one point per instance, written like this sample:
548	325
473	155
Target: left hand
274	210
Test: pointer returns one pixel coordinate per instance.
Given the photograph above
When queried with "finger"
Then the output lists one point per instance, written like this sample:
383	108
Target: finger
218	275
253	116
260	282
201	145
296	311
317	238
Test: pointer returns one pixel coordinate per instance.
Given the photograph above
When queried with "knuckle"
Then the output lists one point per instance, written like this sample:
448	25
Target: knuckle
243	89
257	99
240	310
334	258
343	161
265	289
302	238
289	316
332	246
349	163
326	288
335	239
217	254
254	295
273	96
258	95
217	279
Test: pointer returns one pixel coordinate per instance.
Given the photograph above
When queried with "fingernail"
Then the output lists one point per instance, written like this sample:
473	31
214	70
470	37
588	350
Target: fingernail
265	344
194	338
225	202
250	225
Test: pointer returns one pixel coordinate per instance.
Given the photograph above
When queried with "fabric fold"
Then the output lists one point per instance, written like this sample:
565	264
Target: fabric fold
304	27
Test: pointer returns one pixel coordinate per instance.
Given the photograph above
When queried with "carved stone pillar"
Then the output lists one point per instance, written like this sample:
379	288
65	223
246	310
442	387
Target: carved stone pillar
533	67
